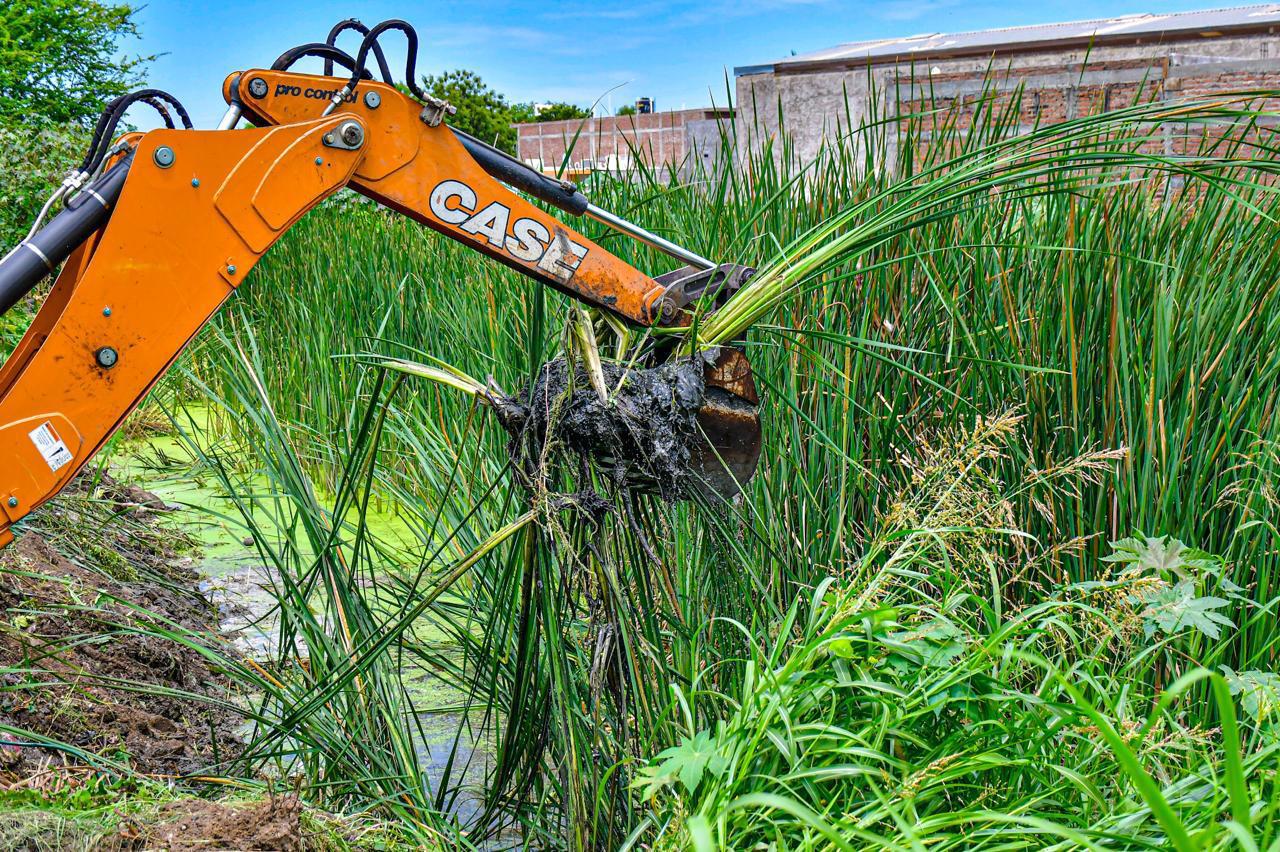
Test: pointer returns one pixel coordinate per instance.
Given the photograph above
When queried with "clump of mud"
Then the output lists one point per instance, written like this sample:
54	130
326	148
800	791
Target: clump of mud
642	435
73	670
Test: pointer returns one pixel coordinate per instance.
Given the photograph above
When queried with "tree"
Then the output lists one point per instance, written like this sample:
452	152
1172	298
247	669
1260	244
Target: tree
482	112
523	114
61	60
626	109
561	112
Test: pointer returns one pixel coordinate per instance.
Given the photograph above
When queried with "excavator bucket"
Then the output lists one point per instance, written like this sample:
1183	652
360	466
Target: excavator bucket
674	426
728	450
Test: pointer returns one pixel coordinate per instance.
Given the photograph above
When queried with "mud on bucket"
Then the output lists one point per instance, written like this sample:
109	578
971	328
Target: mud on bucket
684	428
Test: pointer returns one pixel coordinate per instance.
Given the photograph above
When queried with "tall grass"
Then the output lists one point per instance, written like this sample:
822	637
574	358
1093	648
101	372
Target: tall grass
912	702
907	632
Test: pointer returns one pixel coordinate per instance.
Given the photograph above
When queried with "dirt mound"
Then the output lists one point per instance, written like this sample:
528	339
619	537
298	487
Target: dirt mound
72	671
271	824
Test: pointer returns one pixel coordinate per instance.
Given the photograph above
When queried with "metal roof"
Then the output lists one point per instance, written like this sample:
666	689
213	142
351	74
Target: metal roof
1208	22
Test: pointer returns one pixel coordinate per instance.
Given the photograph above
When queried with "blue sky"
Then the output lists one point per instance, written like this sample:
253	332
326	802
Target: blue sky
675	52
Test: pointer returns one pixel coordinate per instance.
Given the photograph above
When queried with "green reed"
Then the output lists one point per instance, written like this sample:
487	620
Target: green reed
1130	324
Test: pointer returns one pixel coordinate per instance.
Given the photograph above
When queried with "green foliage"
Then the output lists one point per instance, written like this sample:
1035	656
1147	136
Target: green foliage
687	762
99	813
1161	557
1172	609
1078	155
889	719
482	112
1259	694
62	60
560	111
910	632
485	113
935	644
34	158
626	109
343	715
522	113
12	326
1172	602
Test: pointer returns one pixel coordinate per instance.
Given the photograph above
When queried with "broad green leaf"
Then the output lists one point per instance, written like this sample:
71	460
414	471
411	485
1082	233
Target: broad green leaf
1170	610
1258	691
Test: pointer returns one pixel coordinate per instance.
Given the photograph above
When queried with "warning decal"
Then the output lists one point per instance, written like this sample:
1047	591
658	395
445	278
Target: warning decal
55	453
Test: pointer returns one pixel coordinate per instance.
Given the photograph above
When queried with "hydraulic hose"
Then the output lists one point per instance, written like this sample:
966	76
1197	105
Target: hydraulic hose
34	258
354	24
370	41
319	49
509	170
106	127
99	131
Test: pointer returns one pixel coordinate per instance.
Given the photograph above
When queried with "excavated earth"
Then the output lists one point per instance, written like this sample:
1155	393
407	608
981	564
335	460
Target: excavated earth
87	569
191	826
643	435
71	670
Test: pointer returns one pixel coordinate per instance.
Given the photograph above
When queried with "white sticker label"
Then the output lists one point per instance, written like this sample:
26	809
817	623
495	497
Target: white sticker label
55	453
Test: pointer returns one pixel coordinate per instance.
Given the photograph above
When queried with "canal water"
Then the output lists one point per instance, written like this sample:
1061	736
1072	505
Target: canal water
240	583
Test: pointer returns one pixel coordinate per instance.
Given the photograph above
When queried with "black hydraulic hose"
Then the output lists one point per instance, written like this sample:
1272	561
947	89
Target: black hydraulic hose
354	24
411	59
35	258
165	97
498	164
158	106
509	170
105	130
324	51
99	130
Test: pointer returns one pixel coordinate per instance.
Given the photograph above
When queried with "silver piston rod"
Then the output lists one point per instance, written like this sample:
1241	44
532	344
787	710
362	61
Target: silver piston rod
649	238
567	197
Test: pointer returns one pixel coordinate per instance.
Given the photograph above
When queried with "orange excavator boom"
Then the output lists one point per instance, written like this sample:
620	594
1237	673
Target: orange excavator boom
164	226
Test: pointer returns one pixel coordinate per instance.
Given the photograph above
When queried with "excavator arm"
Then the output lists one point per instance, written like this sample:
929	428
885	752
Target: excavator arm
426	172
196	211
176	219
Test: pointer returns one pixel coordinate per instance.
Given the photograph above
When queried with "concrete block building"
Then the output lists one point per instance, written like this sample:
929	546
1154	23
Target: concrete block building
621	143
1067	69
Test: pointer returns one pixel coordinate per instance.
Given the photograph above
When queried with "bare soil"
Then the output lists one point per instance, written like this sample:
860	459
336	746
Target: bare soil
85	690
73	667
198	826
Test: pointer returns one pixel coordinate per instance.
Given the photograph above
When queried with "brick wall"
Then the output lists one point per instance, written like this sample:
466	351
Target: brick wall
616	142
1052	95
1059	84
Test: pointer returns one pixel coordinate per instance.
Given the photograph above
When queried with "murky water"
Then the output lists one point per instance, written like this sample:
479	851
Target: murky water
240	584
